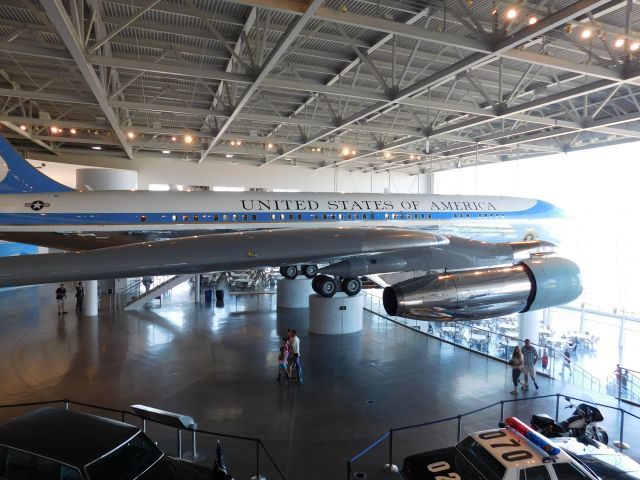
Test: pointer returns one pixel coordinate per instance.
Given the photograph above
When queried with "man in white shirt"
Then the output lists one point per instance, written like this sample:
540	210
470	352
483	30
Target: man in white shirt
294	347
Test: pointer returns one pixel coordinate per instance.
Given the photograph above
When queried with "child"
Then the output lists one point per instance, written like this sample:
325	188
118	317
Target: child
282	364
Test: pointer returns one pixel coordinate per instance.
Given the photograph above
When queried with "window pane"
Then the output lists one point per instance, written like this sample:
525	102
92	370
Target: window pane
535	473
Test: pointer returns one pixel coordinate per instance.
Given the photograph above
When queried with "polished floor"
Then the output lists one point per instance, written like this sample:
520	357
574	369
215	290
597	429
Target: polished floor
219	366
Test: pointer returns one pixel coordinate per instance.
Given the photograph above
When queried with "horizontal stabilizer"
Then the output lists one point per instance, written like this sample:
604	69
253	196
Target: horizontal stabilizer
207	253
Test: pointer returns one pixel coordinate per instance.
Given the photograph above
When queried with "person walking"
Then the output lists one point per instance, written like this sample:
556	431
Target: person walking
566	359
61	294
294	347
282	364
516	363
530	356
79	296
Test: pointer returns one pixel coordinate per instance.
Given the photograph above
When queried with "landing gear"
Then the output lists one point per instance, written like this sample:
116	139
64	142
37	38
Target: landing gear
289	271
309	271
325	285
351	286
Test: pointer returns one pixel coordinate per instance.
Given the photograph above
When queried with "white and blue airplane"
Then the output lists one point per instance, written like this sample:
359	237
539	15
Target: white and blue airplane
461	251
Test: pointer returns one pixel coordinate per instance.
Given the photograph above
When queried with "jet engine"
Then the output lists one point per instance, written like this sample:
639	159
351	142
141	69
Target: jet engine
532	284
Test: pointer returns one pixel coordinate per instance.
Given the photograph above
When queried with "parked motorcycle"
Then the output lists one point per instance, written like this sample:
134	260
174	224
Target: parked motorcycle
583	423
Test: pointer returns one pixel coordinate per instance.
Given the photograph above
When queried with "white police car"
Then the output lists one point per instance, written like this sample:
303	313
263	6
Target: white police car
515	452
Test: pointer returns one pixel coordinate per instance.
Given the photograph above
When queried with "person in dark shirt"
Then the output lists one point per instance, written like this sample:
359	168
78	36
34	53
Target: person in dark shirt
79	296
61	294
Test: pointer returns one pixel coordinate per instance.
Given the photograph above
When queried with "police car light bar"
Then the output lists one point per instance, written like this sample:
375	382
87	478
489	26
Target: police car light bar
533	436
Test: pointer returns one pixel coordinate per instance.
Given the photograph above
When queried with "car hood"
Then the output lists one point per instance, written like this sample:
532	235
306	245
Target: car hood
606	462
172	469
415	466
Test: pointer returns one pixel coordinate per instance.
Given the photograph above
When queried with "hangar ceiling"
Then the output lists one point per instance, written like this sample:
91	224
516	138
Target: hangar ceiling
409	86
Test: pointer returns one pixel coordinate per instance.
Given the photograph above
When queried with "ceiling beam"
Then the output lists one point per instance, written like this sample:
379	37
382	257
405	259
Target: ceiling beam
58	16
514	40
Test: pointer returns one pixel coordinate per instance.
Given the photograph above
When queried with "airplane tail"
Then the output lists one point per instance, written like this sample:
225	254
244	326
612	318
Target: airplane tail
18	176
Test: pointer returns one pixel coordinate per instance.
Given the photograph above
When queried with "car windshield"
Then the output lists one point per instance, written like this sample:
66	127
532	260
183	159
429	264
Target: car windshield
483	461
569	471
126	462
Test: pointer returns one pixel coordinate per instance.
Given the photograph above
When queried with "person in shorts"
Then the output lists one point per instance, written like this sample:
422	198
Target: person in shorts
530	356
61	294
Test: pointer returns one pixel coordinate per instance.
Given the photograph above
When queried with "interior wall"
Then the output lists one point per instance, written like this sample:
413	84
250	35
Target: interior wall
163	171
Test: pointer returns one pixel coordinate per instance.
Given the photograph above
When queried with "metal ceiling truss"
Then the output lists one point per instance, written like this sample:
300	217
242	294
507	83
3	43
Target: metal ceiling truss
354	84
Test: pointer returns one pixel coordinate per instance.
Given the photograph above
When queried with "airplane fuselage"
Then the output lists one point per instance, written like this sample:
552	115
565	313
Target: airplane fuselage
183	213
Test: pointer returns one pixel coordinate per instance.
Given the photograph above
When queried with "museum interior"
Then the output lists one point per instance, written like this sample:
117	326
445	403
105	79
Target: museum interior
302	239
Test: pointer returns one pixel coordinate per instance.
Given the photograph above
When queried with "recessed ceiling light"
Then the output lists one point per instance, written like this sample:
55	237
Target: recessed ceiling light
73	131
97	147
533	20
23	128
188	138
131	135
229	155
269	146
173	139
55	130
166	152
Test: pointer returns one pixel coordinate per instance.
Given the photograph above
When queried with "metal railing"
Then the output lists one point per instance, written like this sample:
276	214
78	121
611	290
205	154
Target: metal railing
258	448
476	337
625	385
483	424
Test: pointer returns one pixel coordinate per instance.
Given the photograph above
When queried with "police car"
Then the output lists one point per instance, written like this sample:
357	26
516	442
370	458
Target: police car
515	452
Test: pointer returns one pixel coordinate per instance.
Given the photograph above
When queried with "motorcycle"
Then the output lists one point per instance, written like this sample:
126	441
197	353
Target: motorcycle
583	423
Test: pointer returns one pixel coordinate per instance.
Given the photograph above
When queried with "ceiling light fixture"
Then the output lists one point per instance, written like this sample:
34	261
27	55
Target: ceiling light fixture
232	143
269	146
97	147
188	138
55	130
345	151
586	33
173	139
619	43
238	143
166	152
634	46
73	131
512	13
23	128
229	155
533	20
353	152
131	135
387	154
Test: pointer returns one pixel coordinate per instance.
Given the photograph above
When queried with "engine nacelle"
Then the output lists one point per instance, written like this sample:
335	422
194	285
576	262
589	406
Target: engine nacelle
489	292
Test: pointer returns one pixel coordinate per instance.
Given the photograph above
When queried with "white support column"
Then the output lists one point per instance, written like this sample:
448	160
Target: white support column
337	315
294	293
90	297
529	326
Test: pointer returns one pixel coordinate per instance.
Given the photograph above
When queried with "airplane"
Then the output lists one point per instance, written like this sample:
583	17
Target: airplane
453	256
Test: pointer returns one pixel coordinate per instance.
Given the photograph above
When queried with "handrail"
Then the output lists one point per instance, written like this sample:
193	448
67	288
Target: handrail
587	378
124	413
459	418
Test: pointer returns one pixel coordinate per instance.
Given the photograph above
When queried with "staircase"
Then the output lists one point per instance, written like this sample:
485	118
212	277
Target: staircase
139	302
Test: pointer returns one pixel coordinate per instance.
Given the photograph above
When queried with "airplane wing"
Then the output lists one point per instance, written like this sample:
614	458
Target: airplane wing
205	253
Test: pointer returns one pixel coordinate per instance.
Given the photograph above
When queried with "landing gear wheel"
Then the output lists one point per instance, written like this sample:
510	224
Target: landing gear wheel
309	271
326	286
351	286
290	272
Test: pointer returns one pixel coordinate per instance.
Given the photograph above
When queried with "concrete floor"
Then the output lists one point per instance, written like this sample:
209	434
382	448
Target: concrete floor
219	365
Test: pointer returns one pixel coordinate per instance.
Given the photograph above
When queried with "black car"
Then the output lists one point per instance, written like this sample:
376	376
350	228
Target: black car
56	444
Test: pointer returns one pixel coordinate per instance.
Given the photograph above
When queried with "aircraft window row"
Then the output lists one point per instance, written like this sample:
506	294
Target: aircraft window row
313	216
